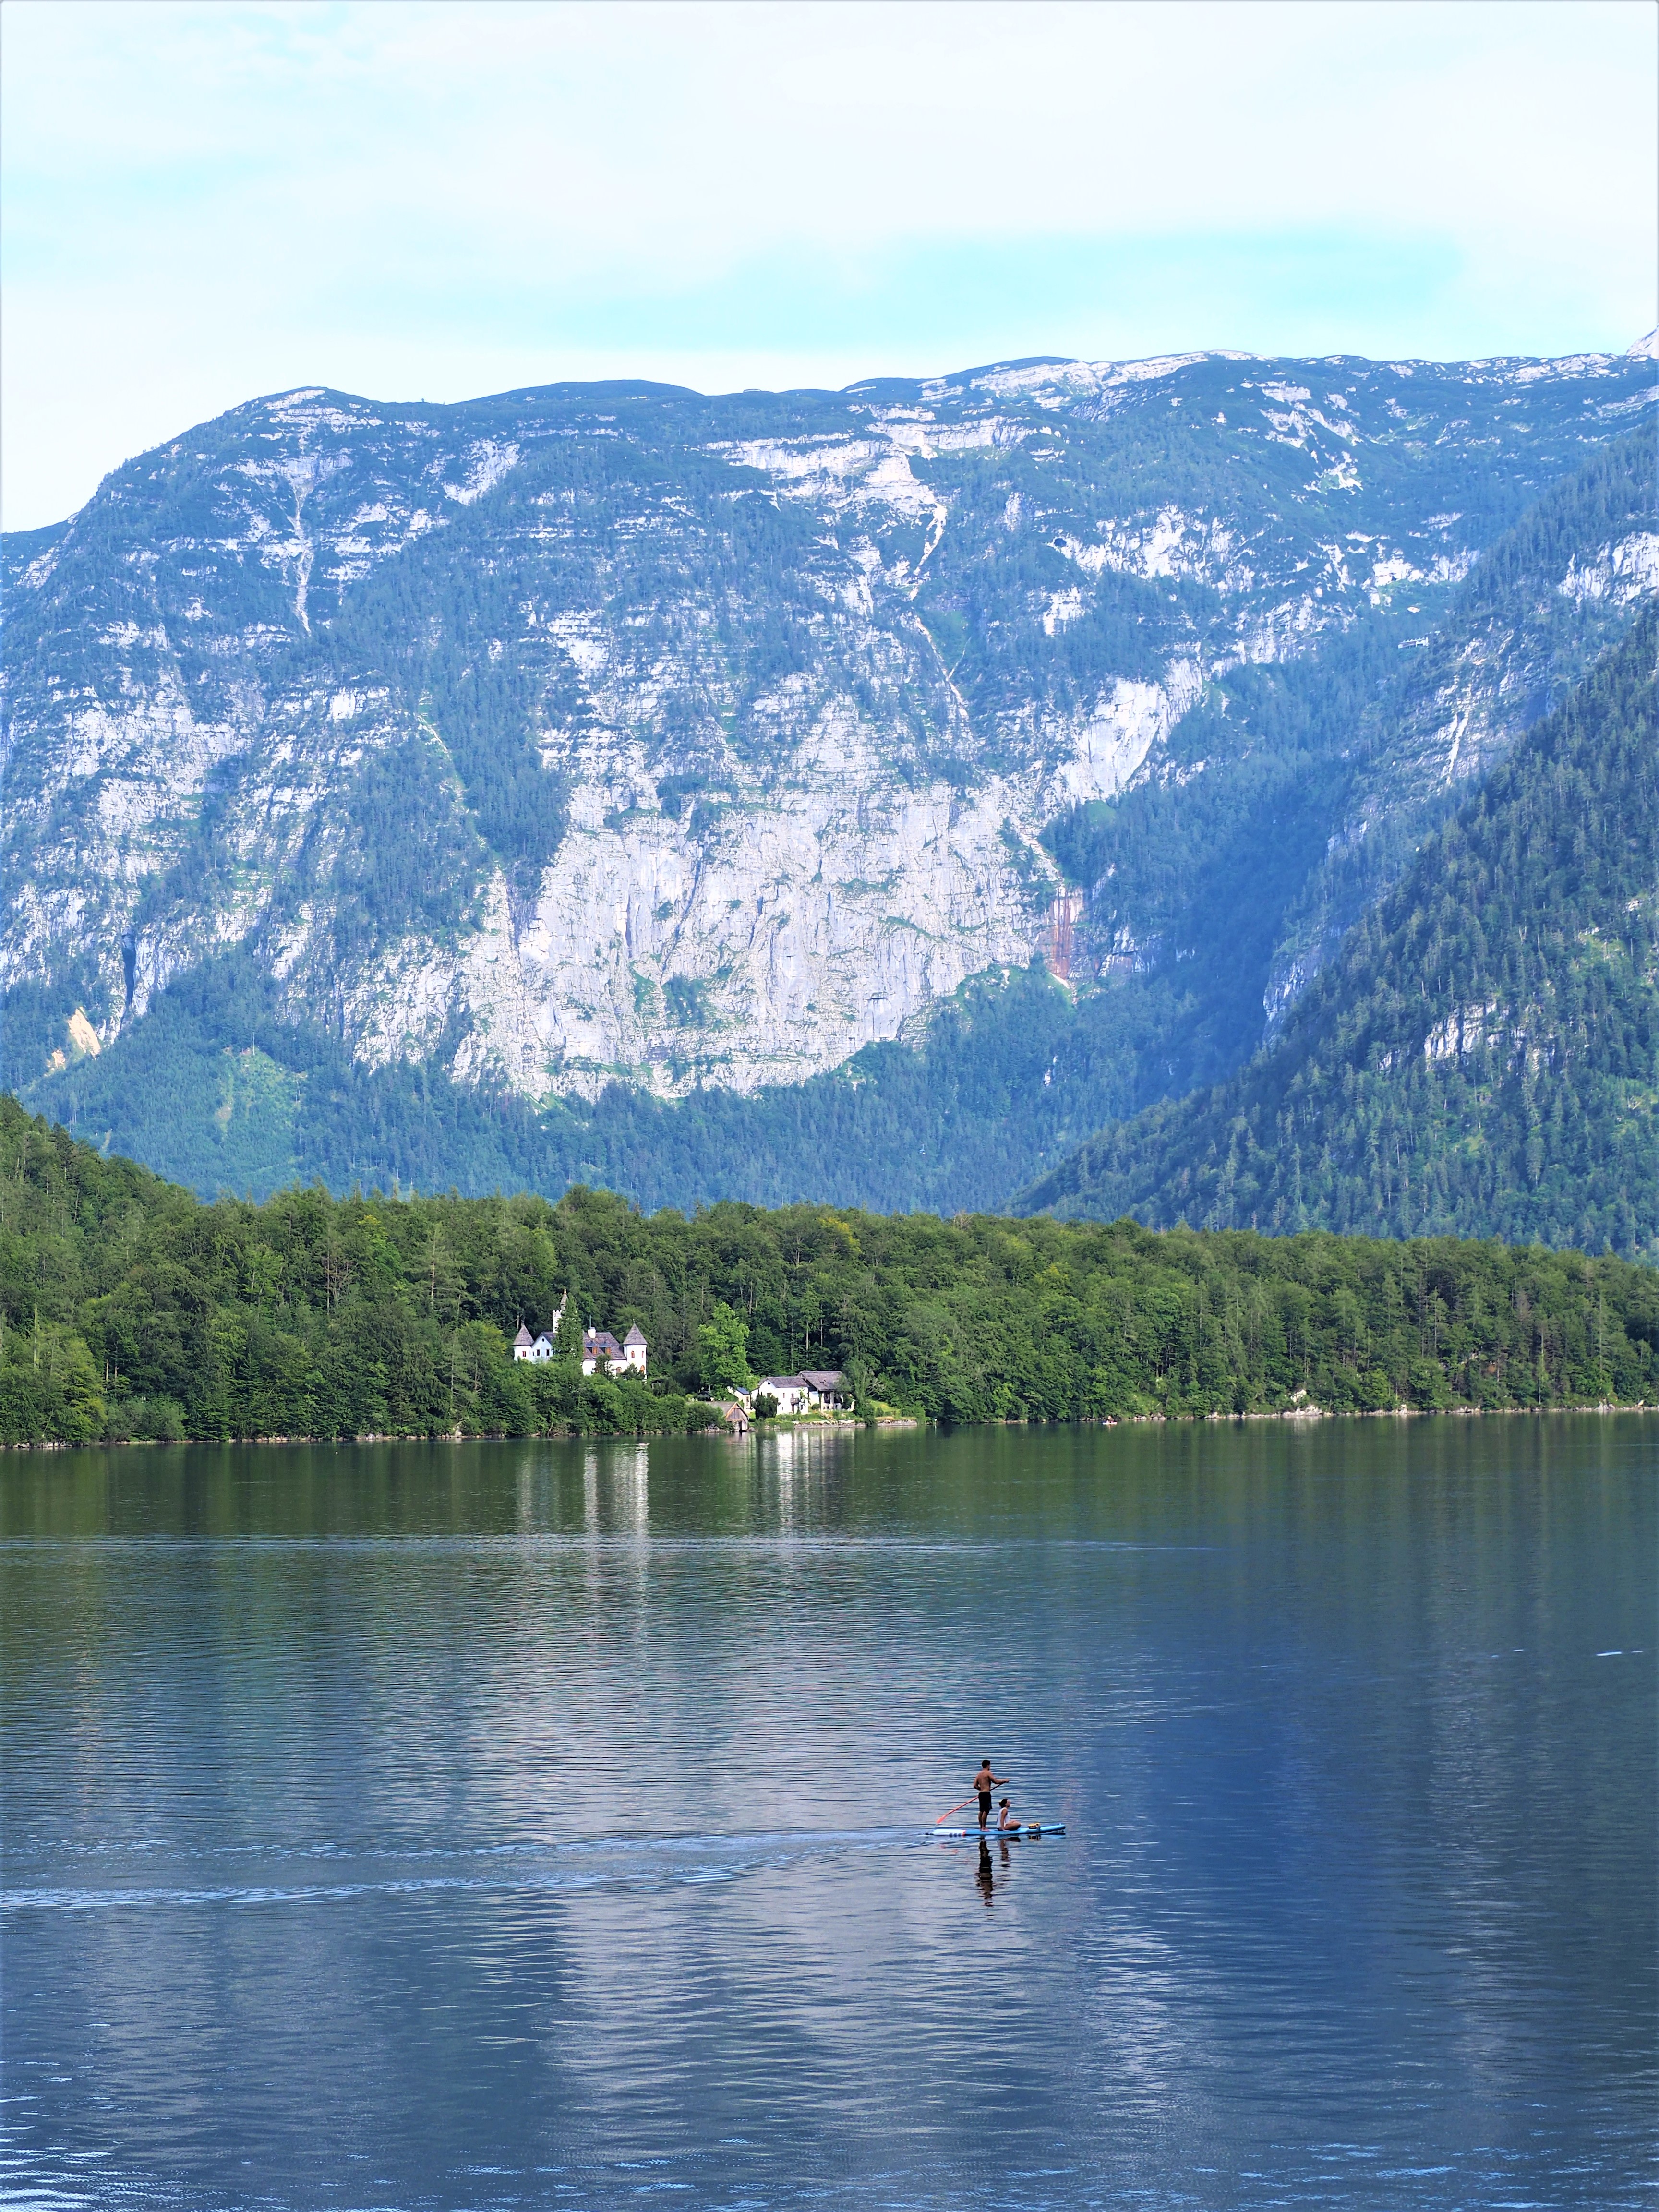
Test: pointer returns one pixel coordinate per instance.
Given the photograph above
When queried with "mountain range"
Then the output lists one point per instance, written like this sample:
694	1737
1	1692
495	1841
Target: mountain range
868	796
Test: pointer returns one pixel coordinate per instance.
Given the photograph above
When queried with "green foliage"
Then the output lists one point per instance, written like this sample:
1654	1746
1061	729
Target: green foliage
127	1307
688	1001
1483	1052
408	858
723	1351
1013	1074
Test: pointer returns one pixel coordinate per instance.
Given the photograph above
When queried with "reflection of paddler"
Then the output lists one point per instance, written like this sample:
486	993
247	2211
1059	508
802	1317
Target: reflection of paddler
986	1876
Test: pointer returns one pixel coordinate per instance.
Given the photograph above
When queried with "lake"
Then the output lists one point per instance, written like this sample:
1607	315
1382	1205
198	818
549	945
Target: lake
542	1824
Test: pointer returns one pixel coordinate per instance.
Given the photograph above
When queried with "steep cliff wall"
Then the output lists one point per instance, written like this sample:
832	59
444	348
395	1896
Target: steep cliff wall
617	733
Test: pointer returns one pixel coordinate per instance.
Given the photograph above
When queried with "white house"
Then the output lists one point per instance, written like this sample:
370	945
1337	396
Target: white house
828	1388
789	1391
540	1343
629	1356
813	1390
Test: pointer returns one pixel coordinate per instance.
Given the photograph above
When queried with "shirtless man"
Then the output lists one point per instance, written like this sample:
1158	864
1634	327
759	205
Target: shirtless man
984	1783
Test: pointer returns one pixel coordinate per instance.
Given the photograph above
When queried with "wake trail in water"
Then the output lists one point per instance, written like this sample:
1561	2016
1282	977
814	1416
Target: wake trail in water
619	1862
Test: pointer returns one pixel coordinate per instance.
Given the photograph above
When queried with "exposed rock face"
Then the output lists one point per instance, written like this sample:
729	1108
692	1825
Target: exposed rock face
616	731
1549	596
818	913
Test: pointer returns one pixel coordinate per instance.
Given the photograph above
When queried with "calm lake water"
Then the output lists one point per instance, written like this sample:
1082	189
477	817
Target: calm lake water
541	1824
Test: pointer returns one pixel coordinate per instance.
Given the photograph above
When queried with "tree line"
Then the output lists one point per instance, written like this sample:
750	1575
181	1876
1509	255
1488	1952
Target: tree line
128	1308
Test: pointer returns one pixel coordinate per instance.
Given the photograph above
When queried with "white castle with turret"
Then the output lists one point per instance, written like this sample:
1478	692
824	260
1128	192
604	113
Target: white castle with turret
599	1347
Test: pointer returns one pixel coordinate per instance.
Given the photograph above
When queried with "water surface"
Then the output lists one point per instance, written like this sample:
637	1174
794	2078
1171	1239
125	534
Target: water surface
541	1824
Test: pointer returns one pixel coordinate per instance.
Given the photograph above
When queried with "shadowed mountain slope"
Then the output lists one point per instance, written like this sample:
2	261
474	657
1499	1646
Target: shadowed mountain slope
1483	1048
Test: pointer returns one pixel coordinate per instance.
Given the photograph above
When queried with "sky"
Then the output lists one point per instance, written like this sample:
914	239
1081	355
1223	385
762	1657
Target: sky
202	203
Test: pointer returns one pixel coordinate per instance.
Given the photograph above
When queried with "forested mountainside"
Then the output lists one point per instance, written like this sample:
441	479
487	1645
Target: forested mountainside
1289	789
1484	1050
1539	605
477	759
128	1309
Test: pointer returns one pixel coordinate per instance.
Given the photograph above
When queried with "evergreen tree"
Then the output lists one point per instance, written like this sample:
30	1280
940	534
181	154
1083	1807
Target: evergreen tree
1482	1056
129	1309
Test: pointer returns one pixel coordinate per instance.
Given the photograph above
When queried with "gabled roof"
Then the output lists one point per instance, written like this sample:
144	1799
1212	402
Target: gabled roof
825	1378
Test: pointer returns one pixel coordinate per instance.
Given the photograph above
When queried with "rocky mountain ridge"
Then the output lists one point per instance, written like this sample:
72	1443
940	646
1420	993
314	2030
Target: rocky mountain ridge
617	734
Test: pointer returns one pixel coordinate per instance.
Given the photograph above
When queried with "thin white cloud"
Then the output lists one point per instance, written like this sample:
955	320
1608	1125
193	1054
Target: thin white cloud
204	201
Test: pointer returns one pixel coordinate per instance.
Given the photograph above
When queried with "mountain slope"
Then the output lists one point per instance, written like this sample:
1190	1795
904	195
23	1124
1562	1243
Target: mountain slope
216	1090
1194	867
1537	609
860	795
1483	1049
617	733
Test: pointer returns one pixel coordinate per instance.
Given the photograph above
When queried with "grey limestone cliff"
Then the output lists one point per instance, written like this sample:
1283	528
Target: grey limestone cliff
614	732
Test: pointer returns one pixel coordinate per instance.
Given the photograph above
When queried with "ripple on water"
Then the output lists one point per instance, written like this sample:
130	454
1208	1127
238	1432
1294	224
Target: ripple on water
513	1824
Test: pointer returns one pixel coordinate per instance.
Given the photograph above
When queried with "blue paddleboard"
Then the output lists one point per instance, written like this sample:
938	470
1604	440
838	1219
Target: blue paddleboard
1005	1835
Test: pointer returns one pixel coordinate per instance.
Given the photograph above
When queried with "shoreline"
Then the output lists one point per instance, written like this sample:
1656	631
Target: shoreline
793	1423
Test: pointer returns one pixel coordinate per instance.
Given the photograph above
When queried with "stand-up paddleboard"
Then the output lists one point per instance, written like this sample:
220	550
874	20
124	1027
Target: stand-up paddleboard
1004	1835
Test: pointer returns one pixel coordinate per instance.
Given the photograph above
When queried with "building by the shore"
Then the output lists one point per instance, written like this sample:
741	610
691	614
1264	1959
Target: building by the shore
815	1389
599	1348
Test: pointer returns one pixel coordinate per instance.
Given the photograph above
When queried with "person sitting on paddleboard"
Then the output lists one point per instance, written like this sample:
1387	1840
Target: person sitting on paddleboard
1005	1818
984	1783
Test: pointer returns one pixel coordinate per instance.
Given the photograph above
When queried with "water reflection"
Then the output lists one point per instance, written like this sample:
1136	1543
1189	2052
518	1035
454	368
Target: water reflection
529	1823
987	1875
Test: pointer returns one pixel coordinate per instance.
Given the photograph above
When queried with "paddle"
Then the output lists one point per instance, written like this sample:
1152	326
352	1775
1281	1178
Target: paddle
949	1809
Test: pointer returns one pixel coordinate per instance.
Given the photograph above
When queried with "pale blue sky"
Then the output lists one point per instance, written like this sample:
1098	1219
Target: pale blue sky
203	201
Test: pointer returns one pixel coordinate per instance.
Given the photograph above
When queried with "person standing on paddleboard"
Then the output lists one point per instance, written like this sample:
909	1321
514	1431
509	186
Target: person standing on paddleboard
984	1783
